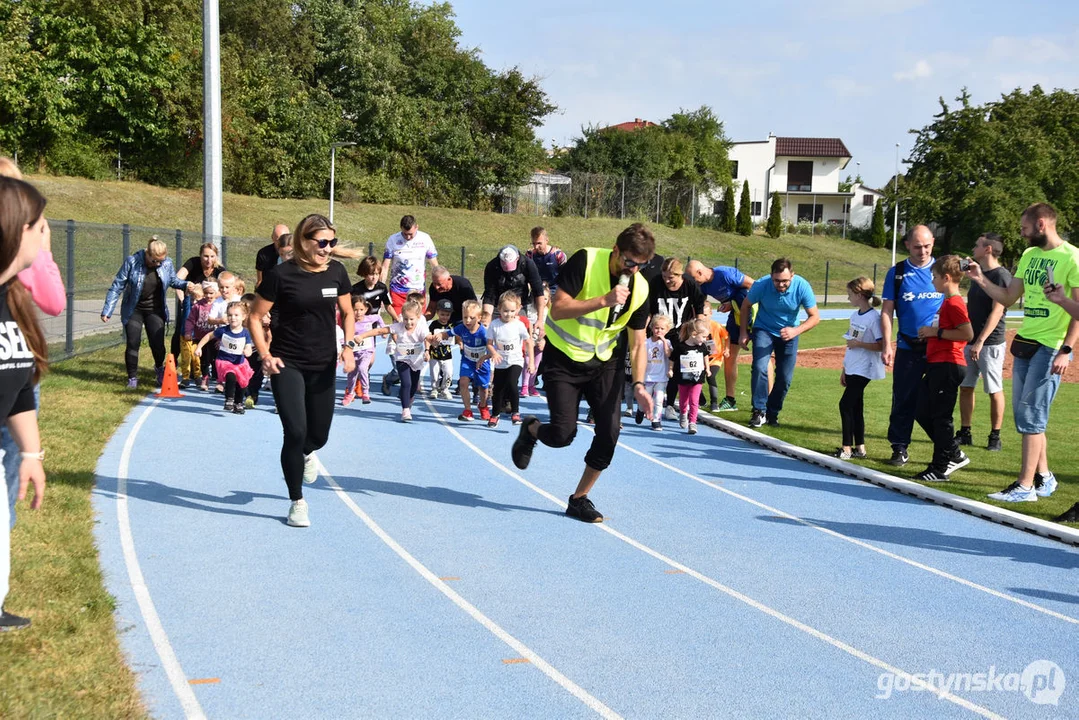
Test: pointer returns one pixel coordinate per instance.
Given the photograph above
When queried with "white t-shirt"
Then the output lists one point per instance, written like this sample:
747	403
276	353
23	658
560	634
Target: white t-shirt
408	259
219	309
508	339
859	361
657	354
410	345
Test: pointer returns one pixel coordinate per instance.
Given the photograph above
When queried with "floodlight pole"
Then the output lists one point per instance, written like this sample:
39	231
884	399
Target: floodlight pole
895	219
212	220
333	162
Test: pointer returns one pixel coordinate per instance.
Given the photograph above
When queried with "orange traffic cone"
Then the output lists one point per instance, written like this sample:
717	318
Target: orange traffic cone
169	386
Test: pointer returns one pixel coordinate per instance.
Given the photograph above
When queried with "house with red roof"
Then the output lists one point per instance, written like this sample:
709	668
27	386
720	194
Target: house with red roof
804	170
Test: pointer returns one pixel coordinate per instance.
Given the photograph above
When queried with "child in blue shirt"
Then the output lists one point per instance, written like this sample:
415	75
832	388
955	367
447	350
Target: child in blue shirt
475	369
234	345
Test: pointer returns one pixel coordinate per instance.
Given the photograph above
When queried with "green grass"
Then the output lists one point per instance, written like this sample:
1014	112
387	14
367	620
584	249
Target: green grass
69	663
248	221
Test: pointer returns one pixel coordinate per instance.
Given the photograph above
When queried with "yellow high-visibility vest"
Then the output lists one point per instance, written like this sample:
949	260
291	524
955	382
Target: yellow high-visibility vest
588	336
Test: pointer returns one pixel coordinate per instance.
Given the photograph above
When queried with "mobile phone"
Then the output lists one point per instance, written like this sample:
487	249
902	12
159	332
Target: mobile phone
964	263
1049	276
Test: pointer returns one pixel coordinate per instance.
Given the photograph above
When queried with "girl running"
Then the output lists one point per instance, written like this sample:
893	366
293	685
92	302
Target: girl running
234	346
410	337
507	342
658	369
358	382
690	353
861	364
539	341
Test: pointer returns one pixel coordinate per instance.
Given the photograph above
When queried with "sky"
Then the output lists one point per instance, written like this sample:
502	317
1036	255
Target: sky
866	71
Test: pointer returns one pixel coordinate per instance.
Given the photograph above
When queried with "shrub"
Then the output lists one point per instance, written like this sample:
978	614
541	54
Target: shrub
728	209
775	217
675	219
744	221
876	232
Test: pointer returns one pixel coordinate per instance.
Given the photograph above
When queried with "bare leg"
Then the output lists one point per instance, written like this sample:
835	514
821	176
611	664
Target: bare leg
466	396
730	371
588	479
996	410
1033	459
966	407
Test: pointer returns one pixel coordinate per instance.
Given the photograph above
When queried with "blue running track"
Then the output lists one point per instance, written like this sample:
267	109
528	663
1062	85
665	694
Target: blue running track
437	581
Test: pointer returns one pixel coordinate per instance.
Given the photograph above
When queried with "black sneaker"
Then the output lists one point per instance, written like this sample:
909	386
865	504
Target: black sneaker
639	417
9	622
238	409
963	437
993	444
932	476
521	452
899	456
772	420
756	420
960	460
583	509
230	406
1071	515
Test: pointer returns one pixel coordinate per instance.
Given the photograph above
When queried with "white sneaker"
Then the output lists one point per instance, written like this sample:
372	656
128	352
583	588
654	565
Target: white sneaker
310	469
297	514
446	395
670	413
683	420
406	415
433	394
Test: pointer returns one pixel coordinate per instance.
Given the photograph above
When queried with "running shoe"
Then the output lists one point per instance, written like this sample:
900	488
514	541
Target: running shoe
772	420
899	456
433	394
727	405
692	429
10	623
993	444
229	406
406	415
366	399
1071	515
627	413
160	372
297	514
931	476
485	413
960	460
347	399
1045	485
756	420
534	392
713	407
657	425
670	413
386	384
842	454
492	422
1015	493
310	468
205	384
683	420
963	437
445	395
184	383
466	416
523	393
132	383
219	388
238	409
639	417
249	402
515	418
583	509
521	452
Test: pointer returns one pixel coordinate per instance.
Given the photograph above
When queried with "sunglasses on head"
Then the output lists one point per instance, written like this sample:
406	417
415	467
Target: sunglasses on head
332	242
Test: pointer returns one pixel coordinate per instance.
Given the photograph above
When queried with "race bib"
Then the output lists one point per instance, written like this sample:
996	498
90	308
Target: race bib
232	345
691	363
508	348
409	349
474	353
856	332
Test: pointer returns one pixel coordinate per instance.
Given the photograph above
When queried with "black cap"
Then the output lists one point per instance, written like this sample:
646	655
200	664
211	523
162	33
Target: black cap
445	305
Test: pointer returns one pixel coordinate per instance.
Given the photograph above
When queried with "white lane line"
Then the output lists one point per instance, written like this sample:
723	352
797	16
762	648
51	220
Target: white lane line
169	661
854	541
523	650
834	642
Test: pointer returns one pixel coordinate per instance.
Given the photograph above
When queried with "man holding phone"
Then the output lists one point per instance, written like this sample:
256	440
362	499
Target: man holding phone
1043	345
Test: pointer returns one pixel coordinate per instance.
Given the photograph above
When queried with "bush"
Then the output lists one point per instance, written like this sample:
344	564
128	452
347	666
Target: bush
675	219
791	228
80	156
775	217
728	210
360	187
876	232
744	221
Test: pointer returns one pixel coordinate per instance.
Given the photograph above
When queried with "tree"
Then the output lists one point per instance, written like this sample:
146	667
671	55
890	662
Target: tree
877	236
728	209
675	218
775	217
744	222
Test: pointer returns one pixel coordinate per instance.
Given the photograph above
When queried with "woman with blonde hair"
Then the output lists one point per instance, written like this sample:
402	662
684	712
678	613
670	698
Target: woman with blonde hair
861	365
143	280
22	231
204	266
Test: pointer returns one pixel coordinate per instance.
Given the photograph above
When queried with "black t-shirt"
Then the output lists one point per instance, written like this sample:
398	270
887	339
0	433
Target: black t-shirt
524	280
152	298
979	305
304	311
376	297
460	291
570	281
195	273
438	350
653	268
266	258
16	364
683	359
685	303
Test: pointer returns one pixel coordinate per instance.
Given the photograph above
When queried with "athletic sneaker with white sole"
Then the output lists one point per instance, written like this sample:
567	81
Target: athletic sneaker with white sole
960	460
1044	485
670	413
1015	493
310	468
297	514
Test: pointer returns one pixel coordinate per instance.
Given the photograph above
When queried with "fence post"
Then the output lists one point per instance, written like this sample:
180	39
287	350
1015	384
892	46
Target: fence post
692	203
874	274
179	254
827	268
224	251
69	339
126	234
623	197
370	248
659	184
586	199
736	263
462	261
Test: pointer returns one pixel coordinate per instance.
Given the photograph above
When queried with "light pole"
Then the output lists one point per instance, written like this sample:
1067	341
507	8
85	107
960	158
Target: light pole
212	212
333	161
895	219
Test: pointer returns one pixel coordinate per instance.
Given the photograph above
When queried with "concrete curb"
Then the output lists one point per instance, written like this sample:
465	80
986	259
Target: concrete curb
982	510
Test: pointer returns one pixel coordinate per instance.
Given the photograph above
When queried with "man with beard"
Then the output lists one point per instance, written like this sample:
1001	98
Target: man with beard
1043	346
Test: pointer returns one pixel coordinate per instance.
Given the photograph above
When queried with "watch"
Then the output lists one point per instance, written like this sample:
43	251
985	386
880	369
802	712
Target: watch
940	332
1065	350
352	345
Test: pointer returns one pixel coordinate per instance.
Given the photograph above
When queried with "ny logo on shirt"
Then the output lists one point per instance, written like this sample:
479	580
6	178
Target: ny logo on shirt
672	308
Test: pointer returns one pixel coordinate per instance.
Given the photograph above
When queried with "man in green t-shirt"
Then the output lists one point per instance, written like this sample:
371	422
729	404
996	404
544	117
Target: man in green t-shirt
1043	346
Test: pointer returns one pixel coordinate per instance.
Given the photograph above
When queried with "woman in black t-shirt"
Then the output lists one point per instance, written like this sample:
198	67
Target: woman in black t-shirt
204	266
305	294
22	355
680	298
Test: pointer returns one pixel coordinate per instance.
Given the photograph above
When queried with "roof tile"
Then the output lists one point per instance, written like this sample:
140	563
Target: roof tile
811	147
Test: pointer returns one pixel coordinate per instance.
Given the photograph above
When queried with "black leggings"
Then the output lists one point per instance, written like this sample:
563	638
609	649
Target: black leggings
601	387
233	391
852	410
717	370
505	388
155	333
305	405
410	383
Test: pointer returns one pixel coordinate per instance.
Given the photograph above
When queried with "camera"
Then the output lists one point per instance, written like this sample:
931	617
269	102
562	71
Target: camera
964	264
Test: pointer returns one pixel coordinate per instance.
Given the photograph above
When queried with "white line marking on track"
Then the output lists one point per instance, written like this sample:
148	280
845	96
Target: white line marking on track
834	642
860	543
474	612
169	661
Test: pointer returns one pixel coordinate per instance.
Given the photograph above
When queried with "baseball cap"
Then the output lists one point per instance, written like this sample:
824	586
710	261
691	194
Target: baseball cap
509	256
445	305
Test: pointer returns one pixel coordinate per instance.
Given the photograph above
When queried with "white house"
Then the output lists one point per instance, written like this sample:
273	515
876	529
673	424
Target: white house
805	172
863	205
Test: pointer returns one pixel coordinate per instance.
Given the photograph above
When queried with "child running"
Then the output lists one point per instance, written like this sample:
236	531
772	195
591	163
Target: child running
410	339
441	364
689	350
198	326
234	346
508	340
358	382
658	370
471	334
861	364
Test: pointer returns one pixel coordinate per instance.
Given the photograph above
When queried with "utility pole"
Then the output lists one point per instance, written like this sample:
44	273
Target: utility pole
212	212
895	219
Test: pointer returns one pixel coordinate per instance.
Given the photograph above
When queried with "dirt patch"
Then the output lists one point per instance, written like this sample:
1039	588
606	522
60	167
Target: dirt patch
832	359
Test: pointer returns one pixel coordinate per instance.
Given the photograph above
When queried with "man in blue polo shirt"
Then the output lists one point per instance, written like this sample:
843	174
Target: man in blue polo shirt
779	299
908	293
727	285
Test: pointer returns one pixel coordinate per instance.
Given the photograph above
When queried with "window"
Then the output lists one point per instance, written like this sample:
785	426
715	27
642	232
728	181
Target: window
800	175
808	212
755	209
718	208
734	169
846	208
867	200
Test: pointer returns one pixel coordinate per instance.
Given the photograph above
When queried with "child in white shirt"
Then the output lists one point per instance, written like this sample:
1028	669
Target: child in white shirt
861	364
508	342
658	368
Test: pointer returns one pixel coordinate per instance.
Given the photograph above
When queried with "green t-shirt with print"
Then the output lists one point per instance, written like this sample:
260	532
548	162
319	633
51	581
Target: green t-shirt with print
1043	321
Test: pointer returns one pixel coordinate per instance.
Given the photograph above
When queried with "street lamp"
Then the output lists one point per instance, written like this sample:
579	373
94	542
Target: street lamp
895	219
333	160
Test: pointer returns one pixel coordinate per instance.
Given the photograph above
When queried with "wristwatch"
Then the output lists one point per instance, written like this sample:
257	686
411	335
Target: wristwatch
940	333
352	345
1065	350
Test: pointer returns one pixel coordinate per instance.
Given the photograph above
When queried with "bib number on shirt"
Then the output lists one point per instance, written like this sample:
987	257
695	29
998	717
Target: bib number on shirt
473	354
856	332
408	349
692	363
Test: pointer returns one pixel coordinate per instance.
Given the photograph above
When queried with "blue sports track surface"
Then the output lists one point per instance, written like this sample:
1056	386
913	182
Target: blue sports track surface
438	581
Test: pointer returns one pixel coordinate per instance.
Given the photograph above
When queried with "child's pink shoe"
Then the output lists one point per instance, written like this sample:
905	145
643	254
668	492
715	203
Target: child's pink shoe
347	399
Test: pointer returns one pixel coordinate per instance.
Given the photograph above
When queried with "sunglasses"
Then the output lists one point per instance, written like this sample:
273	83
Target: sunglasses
629	264
332	242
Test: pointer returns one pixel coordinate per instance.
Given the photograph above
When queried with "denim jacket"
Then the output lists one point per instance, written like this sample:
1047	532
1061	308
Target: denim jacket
129	281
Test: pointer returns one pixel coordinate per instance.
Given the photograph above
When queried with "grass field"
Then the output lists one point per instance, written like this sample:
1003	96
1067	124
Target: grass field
248	221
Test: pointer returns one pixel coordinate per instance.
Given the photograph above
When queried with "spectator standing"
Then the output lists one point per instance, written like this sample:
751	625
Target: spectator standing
680	298
511	272
549	260
779	299
1043	346
403	262
728	285
455	288
861	365
278	251
204	266
909	295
